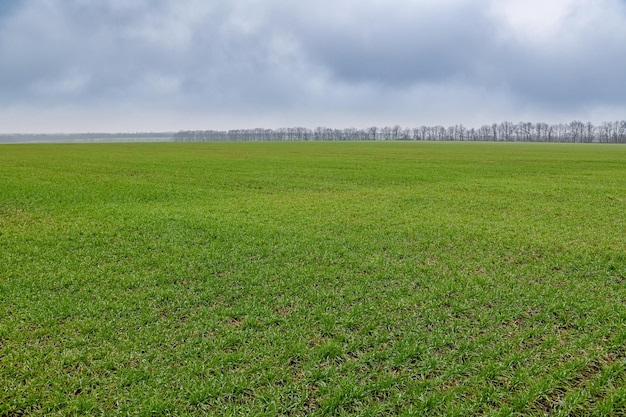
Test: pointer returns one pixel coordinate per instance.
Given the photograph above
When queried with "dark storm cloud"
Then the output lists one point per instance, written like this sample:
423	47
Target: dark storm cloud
7	7
103	50
76	49
361	61
593	73
403	45
580	64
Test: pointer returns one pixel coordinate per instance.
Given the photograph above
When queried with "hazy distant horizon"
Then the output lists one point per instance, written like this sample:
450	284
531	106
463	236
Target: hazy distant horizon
573	132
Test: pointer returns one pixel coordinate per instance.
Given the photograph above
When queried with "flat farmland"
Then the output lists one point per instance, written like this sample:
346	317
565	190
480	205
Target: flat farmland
297	279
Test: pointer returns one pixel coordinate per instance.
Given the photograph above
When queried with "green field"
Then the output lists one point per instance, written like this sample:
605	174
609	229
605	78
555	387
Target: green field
296	279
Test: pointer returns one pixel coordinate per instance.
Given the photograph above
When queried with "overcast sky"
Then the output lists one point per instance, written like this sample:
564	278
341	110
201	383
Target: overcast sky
167	65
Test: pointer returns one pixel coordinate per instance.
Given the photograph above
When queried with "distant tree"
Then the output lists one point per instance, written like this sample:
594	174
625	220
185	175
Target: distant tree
505	131
575	131
371	133
621	132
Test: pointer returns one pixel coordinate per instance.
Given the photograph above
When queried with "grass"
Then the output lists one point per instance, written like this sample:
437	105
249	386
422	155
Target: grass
313	279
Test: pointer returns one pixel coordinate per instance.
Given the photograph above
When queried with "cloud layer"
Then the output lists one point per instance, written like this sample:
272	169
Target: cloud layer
72	65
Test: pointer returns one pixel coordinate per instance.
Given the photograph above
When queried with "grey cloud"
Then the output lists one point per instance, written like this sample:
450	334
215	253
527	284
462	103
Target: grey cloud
463	42
119	51
370	59
562	77
7	7
400	46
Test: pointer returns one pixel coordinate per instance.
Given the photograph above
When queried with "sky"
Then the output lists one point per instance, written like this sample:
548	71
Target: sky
169	65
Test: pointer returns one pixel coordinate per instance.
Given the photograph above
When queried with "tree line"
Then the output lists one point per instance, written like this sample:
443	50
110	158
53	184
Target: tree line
573	132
